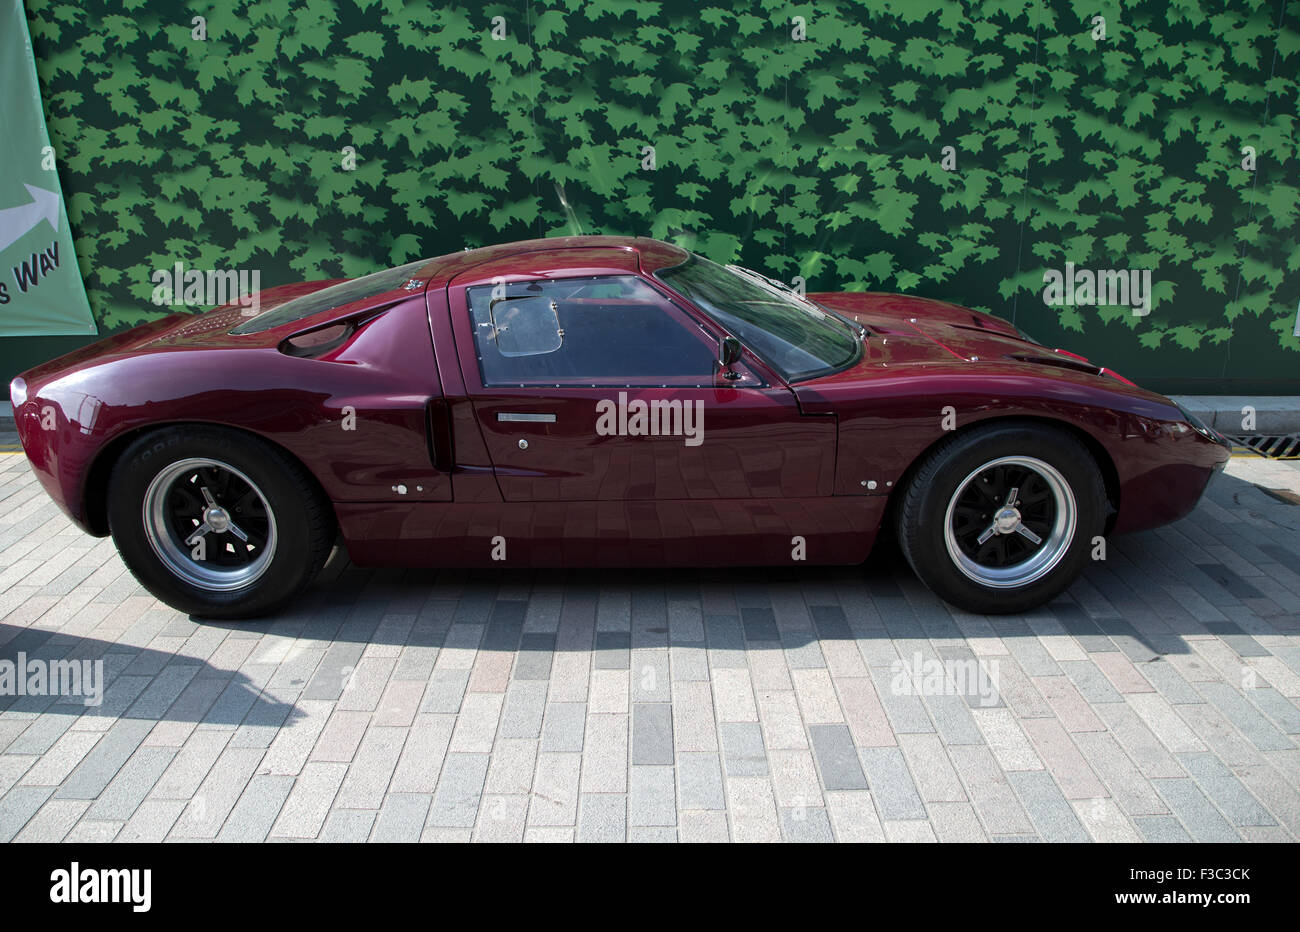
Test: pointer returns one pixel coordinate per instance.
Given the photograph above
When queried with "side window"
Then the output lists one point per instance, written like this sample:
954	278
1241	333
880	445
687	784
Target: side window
610	330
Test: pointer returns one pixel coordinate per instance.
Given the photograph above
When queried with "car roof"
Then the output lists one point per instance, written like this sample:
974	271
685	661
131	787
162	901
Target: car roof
637	253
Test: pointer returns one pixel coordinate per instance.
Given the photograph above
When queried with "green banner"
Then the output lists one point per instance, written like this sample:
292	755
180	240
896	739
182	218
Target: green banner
41	293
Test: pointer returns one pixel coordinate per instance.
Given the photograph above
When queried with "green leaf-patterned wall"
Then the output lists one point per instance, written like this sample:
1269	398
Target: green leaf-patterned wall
800	139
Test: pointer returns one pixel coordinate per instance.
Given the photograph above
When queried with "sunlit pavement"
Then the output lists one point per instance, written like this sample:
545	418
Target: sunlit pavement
1157	701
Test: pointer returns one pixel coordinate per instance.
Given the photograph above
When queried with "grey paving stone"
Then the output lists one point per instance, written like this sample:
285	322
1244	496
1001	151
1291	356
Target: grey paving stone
1282	711
348	825
446	691
564	726
401	817
1218	782
99	767
536	652
689	662
952	719
651	797
1030	654
334	670
1161	829
1169	683
613	650
643	834
1129	787
806	825
1263	733
131	784
308	805
556	781
152	821
699	781
118	697
652	733
18	806
990	791
238	698
455	803
742	749
726	641
53	821
524	710
502	819
166	687
368	778
1195	811
1047	807
255	812
759	624
602	817
44	731
891	784
906	712
1230	581
650	680
1081	627
1090	681
837	759
217	794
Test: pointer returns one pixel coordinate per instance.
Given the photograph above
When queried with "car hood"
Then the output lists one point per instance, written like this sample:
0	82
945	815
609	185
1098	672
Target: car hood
907	331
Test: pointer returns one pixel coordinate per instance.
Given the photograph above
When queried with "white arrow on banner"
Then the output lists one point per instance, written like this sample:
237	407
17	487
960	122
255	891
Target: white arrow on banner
16	221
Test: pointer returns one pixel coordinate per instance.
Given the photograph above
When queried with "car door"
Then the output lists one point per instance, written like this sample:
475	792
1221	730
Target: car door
628	403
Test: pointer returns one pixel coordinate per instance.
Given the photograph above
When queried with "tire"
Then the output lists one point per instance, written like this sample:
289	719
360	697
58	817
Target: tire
217	523
973	547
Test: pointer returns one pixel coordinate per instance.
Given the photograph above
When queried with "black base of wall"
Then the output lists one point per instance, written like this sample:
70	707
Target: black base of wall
18	354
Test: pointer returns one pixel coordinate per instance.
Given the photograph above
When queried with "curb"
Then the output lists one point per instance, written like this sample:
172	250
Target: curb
1274	414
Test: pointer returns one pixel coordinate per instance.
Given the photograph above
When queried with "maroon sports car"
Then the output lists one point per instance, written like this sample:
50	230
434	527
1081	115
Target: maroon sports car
598	401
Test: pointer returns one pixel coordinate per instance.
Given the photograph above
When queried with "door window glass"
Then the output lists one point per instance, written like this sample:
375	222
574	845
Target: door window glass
609	330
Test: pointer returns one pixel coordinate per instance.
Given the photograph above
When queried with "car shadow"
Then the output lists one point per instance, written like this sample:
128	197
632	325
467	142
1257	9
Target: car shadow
1212	574
1208	574
113	680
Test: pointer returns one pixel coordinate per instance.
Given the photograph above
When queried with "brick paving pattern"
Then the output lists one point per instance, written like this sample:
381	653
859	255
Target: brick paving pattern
1156	701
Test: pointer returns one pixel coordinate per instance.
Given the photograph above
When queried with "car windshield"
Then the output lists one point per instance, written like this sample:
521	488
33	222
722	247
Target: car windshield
788	332
357	289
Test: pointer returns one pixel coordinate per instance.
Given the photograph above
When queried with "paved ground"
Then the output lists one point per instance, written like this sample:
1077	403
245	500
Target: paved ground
1158	701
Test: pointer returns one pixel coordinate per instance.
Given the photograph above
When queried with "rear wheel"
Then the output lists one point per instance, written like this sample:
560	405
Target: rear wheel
217	523
1001	518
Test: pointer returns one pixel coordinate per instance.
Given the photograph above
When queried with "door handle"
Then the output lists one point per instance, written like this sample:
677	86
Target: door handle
526	418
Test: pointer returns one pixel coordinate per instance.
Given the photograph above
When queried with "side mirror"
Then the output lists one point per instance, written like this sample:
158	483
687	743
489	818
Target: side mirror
728	357
527	325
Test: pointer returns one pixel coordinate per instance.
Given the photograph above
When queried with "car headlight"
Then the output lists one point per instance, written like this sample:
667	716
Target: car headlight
1209	433
18	393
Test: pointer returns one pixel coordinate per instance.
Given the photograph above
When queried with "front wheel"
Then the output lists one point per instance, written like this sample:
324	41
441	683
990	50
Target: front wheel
217	523
1002	518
